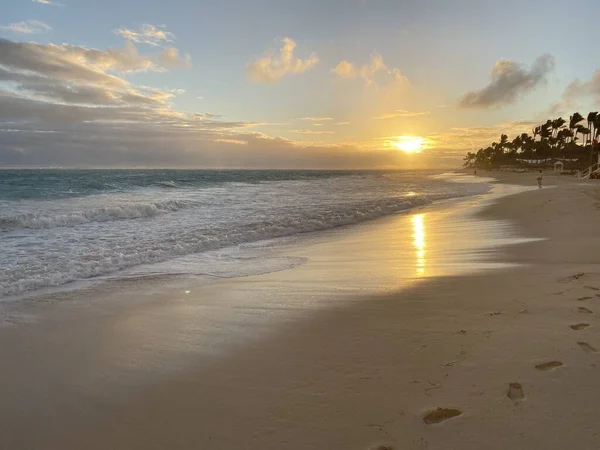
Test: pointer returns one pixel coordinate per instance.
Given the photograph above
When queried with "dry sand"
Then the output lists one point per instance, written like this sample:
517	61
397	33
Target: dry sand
503	359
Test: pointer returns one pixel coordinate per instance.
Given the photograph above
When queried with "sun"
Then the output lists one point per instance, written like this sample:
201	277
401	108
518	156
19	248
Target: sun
410	144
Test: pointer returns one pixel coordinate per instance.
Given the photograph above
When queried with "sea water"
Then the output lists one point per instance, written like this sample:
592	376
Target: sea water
60	226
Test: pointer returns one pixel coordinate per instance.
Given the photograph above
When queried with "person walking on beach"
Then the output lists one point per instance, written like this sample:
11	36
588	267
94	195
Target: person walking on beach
539	179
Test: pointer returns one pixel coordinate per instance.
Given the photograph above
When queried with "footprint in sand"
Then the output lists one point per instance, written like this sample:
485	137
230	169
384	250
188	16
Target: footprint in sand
582	299
580	326
592	288
583	310
575	277
440	415
548	365
515	391
383	447
587	347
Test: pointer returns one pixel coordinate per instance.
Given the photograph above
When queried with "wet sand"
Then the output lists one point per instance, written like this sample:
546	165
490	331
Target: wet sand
462	338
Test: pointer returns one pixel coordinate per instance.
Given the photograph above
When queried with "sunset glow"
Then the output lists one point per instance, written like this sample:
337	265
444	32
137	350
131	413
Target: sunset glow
306	92
409	144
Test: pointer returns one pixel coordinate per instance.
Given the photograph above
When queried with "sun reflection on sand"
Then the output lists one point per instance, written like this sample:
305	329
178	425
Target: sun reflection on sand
418	222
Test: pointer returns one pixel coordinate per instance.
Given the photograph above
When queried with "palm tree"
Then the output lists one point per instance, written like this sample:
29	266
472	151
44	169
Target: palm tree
470	159
557	124
553	141
584	132
597	127
563	137
574	121
527	144
535	132
503	143
512	150
517	143
591	120
546	131
556	138
480	158
568	134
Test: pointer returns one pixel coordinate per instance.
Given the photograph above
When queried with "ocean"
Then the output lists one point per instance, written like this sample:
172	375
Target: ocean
61	226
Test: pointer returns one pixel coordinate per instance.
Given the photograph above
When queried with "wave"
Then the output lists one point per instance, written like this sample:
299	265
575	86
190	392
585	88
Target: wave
118	212
81	264
216	220
167	184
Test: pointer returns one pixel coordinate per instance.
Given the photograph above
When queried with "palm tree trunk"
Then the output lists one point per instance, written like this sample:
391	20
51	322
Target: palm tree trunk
591	142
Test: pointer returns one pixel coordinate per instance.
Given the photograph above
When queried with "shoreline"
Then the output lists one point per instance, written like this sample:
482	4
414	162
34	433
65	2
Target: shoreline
202	259
359	373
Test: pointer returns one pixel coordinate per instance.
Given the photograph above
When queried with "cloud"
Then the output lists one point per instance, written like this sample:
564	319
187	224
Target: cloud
82	65
27	27
509	80
565	105
71	106
305	131
375	71
76	75
575	93
110	145
346	69
147	34
401	113
81	98
47	2
317	119
589	88
40	133
232	141
271	67
169	58
204	116
342	123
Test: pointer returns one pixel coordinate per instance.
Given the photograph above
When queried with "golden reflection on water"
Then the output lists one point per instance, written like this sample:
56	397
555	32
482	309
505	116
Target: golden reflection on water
419	236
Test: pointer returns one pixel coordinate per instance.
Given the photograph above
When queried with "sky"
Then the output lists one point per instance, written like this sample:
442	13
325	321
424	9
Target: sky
319	84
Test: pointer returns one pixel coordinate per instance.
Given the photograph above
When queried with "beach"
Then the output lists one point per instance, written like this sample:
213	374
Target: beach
485	306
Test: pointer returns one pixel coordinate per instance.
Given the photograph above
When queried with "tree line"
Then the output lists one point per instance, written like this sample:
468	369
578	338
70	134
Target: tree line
573	141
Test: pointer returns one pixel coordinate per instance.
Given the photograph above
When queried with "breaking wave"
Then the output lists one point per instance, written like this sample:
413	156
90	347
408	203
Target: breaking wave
118	212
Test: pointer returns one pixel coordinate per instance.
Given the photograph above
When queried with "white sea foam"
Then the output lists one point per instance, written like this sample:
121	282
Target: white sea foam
118	212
